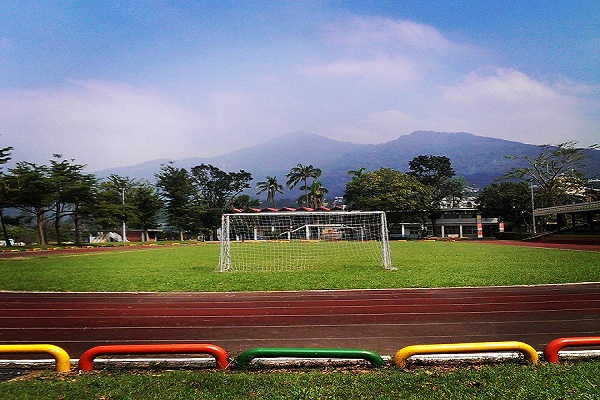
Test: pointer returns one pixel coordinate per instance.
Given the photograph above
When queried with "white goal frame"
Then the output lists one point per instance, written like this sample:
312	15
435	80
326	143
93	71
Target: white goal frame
288	228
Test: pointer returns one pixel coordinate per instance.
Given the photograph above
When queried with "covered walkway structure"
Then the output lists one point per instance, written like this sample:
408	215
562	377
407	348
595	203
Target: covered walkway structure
589	210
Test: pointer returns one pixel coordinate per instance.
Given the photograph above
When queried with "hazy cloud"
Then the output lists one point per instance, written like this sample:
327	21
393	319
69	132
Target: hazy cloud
382	70
435	87
515	106
510	88
91	120
503	103
112	123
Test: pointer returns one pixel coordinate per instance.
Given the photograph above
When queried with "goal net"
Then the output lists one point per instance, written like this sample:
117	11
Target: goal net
290	241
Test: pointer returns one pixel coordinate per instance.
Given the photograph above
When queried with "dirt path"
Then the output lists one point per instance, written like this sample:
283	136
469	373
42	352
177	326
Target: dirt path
544	245
154	246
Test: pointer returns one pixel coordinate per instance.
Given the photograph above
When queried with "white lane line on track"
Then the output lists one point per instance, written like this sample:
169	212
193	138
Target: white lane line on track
136	306
219	341
317	293
324	303
233	315
400	324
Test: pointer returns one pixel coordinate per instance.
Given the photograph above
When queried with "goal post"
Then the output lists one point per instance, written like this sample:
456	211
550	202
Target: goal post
298	240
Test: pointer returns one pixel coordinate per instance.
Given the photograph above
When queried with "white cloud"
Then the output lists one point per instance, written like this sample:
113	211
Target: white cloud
502	103
509	87
98	123
381	69
375	50
377	33
516	106
409	76
367	80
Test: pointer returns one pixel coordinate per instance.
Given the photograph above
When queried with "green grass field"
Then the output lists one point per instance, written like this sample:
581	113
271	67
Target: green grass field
420	264
194	268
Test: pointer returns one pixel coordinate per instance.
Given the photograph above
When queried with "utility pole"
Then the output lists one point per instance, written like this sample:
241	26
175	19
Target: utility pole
533	229
124	231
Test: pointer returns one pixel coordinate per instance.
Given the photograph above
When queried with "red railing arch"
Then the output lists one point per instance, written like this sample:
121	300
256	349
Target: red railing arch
86	361
552	349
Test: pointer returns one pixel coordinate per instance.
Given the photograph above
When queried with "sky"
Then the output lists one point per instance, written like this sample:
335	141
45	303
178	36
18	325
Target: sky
116	83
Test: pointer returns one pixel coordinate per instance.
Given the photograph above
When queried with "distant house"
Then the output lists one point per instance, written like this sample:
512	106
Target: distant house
138	235
457	220
133	235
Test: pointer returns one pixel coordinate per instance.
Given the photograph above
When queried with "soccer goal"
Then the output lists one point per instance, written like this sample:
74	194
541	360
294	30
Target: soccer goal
290	241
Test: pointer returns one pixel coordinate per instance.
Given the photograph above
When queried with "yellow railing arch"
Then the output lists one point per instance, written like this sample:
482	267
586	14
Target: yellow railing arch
403	354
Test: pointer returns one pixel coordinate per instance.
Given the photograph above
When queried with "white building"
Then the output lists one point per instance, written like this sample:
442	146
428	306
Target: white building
458	219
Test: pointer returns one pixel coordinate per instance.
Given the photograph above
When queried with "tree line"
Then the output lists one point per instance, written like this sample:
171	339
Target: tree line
553	177
59	199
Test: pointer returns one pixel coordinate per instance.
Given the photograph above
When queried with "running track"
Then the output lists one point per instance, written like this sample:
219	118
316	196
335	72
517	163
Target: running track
379	320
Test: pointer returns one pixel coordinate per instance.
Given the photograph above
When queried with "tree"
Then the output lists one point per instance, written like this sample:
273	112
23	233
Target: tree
112	208
74	192
123	201
217	189
83	201
146	206
510	201
437	173
5	156
301	173
387	190
245	202
555	171
316	195
357	173
31	190
271	186
179	196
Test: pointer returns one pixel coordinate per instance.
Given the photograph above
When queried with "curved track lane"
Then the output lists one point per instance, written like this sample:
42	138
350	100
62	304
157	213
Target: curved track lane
378	320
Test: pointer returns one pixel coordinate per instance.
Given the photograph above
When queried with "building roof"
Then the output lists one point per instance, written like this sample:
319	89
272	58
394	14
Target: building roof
287	209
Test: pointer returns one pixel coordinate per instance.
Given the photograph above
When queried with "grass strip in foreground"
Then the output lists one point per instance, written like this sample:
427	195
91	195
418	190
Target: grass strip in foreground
507	381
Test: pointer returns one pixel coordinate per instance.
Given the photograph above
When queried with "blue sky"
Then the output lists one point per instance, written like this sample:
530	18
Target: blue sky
113	83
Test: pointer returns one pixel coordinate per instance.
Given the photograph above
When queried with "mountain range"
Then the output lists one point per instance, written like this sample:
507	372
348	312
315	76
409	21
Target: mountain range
478	159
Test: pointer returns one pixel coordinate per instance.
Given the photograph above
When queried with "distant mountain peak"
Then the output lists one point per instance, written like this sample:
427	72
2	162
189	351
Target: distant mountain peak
428	134
478	159
453	135
303	136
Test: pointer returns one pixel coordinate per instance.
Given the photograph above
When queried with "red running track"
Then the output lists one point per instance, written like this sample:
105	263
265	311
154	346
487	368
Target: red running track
378	320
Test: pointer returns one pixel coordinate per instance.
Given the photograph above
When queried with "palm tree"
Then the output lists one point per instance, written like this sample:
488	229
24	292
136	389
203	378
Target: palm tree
301	173
317	194
357	173
271	186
